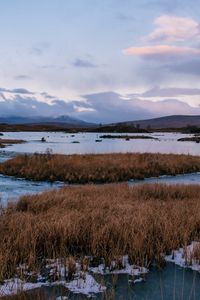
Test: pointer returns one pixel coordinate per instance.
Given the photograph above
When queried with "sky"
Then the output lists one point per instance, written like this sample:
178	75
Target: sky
100	60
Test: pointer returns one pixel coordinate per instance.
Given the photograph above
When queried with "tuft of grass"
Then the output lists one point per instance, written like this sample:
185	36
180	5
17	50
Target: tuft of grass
101	168
7	142
104	221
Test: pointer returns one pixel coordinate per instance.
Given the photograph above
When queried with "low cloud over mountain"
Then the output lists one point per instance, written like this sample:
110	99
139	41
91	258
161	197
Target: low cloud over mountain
100	107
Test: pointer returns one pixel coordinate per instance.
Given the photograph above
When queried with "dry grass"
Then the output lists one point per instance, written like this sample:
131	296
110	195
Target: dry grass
6	142
102	168
103	221
39	295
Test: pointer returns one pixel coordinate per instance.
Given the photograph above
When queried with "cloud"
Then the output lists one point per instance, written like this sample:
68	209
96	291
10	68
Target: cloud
125	17
47	96
22	77
104	107
113	107
16	91
173	29
169	92
30	106
189	67
40	48
83	63
37	51
21	91
161	50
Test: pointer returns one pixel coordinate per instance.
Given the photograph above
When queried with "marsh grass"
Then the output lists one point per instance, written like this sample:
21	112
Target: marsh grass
101	168
39	295
6	142
107	221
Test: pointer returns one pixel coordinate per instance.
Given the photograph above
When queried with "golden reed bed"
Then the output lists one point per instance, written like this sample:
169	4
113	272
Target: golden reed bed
99	220
101	168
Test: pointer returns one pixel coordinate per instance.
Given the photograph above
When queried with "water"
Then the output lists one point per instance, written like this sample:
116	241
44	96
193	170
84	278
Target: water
4	155
63	143
172	282
12	188
193	178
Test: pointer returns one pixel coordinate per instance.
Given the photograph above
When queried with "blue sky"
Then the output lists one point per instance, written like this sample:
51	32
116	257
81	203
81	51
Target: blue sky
83	51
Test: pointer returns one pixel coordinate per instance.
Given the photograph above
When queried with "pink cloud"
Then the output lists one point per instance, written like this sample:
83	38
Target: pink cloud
173	29
165	50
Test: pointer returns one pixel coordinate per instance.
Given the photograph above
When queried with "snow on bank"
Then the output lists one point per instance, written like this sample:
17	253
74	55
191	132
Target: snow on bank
185	257
16	285
86	285
82	282
132	270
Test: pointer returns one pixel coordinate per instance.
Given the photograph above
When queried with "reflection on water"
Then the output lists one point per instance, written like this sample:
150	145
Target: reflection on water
63	143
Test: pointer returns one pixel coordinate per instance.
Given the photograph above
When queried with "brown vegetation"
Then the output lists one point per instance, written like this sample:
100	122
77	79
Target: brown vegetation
6	142
190	139
39	295
127	137
39	128
100	168
99	220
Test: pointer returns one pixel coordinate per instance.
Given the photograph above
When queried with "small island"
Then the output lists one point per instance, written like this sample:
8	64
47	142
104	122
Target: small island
8	142
127	137
195	139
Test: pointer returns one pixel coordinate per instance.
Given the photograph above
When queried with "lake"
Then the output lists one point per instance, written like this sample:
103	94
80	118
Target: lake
65	143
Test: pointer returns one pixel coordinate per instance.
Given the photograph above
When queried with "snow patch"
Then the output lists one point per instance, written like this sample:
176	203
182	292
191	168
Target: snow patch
185	257
126	268
16	285
86	285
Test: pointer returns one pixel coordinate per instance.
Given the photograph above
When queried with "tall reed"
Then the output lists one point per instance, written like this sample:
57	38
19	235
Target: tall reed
104	221
101	168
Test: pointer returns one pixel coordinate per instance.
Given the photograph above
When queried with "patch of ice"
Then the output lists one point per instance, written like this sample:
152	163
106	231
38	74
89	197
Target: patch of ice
86	285
184	257
138	280
14	286
127	268
83	282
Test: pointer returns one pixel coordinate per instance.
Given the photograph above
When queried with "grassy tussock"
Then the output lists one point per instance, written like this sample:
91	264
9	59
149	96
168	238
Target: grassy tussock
103	221
99	168
6	142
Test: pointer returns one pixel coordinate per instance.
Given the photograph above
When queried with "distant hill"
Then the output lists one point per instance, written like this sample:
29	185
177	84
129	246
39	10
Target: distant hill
187	124
64	121
175	121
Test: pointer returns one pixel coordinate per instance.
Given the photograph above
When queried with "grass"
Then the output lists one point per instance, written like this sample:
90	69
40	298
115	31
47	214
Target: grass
99	220
127	137
190	139
6	142
101	168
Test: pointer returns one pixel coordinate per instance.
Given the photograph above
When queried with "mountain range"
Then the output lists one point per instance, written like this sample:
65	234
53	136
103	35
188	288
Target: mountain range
174	121
65	121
